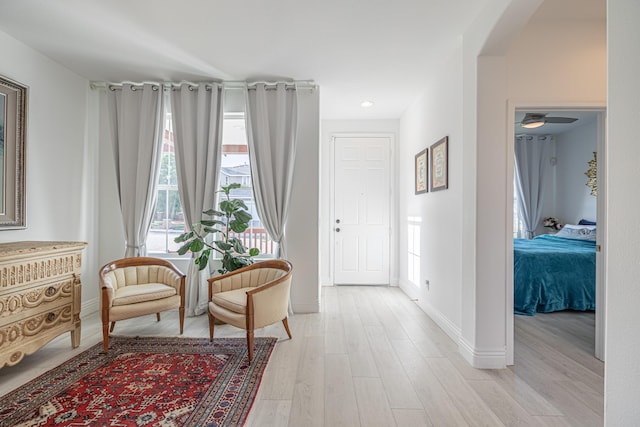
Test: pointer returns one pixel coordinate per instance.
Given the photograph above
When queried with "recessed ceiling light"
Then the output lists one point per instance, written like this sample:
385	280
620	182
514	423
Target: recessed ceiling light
366	104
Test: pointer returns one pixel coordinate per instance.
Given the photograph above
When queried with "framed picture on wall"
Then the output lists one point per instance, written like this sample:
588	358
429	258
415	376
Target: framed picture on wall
421	171
440	165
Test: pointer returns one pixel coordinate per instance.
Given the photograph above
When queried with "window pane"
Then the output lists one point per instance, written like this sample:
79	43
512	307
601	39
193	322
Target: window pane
235	168
168	218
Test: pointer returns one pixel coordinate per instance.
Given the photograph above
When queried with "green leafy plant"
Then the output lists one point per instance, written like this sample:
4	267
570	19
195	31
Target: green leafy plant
232	217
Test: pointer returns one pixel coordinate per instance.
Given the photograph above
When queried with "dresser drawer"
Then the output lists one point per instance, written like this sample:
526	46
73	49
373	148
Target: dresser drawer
23	337
18	305
40	295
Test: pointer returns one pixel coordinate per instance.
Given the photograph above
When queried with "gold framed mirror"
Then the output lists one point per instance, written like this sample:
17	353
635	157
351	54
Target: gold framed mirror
13	126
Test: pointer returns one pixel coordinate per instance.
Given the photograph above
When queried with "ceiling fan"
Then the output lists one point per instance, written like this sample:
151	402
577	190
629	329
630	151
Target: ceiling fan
535	120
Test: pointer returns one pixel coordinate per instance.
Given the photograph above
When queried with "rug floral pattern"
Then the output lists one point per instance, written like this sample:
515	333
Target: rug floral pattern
144	382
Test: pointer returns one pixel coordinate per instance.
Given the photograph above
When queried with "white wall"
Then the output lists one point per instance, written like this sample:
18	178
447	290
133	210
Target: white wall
342	127
437	113
574	150
60	183
574	69
622	249
303	223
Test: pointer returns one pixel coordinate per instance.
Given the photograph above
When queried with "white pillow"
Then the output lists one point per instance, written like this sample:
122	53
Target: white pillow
582	232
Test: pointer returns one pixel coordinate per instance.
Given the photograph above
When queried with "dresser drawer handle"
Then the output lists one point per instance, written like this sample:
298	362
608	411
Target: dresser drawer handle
51	317
50	291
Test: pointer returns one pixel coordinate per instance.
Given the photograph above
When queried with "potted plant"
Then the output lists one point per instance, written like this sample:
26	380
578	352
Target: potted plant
232	217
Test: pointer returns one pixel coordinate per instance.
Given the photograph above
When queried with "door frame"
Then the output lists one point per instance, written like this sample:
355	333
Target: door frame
393	244
600	108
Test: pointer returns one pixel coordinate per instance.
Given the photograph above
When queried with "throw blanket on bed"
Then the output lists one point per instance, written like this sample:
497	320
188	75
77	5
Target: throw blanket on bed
553	273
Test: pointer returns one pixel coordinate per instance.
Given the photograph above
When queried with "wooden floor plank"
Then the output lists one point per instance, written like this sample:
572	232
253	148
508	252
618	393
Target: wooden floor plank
373	356
341	408
373	406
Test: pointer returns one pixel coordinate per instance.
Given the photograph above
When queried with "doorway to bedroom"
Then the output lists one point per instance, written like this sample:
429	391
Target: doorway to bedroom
557	281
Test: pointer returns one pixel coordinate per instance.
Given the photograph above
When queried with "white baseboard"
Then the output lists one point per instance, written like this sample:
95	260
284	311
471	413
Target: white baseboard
89	308
449	328
306	308
482	359
409	289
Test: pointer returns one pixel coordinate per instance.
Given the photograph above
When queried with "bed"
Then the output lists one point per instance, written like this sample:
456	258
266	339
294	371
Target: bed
555	272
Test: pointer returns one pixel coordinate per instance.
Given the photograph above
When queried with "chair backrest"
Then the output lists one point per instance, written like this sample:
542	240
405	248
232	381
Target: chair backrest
138	270
253	275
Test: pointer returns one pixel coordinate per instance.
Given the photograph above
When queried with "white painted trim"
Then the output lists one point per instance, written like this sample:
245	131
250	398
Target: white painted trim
482	359
90	307
411	290
512	105
449	328
601	220
306	308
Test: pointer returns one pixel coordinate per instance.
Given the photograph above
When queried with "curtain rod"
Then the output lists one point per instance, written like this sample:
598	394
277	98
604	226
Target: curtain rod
305	84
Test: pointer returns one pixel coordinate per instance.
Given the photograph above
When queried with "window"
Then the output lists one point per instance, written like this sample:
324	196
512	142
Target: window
518	226
168	219
234	168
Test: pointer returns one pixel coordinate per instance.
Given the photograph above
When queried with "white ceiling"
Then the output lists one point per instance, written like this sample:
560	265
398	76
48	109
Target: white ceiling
356	50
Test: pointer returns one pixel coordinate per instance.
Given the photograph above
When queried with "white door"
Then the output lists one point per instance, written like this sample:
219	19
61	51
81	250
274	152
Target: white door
361	210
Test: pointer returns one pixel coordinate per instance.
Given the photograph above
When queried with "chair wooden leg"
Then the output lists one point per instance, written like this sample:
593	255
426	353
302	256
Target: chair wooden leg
158	316
285	322
212	321
181	320
113	325
105	336
250	343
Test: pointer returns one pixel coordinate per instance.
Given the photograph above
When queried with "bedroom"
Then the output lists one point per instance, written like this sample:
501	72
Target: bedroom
556	270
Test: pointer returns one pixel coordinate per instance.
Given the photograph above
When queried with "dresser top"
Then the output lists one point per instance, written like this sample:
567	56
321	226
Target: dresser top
25	247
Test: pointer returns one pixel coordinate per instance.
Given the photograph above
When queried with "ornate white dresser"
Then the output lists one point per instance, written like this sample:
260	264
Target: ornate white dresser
40	296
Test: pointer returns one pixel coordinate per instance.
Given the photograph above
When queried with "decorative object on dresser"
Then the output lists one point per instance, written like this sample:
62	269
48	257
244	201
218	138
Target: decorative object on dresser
136	286
40	296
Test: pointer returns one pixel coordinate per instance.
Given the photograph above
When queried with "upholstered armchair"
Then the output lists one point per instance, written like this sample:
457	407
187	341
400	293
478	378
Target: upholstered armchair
251	297
132	287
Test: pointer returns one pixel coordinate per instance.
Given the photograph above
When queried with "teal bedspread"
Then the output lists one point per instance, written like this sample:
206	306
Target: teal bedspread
553	273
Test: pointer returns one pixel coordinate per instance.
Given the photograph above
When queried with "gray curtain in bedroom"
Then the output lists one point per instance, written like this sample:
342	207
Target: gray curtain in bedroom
197	114
531	176
134	124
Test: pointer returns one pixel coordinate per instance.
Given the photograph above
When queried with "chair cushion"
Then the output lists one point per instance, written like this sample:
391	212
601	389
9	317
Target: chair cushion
235	300
133	294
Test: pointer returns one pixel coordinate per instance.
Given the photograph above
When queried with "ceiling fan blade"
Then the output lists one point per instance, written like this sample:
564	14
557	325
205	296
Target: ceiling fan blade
559	119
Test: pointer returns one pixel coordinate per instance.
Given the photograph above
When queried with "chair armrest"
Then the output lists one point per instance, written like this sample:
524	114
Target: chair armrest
107	291
269	303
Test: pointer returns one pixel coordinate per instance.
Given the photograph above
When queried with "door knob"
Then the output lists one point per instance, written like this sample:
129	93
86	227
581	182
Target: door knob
337	230
337	221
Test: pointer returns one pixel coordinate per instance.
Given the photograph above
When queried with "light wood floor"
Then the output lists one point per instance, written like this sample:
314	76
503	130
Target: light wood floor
373	358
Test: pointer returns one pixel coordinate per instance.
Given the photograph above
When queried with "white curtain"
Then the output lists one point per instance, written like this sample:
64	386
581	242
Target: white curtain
197	114
134	116
271	134
532	163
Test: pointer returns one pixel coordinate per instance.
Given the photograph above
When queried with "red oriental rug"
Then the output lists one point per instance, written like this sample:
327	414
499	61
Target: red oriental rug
145	382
